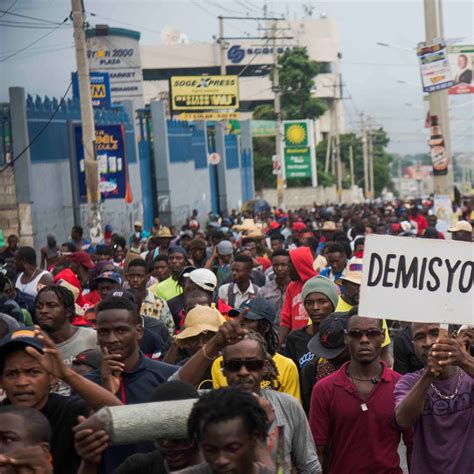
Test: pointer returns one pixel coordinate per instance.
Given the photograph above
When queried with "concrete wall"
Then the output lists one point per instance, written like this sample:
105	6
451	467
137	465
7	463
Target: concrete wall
9	222
305	197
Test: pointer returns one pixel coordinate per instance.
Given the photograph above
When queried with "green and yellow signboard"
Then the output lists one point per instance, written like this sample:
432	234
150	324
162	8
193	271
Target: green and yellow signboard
297	149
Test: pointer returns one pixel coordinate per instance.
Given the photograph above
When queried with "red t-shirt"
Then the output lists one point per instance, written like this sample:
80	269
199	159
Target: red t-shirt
362	435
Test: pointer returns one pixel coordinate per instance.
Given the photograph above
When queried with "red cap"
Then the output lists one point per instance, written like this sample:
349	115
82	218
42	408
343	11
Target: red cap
274	225
395	228
82	258
298	226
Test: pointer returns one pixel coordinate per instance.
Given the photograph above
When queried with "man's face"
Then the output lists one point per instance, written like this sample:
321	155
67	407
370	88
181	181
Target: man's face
105	288
351	292
19	265
177	452
185	242
423	336
193	344
240	272
337	261
244	378
138	228
280	265
176	262
432	220
13	435
64	253
228	447
156	222
164	243
276	244
225	259
117	332
75	235
318	307
252	246
161	270
198	254
137	277
462	236
102	257
50	312
294	275
380	229
364	339
12	242
25	382
119	253
462	62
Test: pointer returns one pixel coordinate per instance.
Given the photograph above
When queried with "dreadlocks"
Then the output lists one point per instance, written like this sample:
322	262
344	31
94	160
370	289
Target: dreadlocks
270	376
271	336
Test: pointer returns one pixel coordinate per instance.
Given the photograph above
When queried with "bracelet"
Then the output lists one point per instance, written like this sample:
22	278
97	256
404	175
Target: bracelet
205	355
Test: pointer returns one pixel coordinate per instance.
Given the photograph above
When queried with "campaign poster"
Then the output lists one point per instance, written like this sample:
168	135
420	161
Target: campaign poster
461	62
112	161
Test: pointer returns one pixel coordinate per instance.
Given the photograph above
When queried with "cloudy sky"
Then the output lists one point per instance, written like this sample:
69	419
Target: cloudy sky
381	82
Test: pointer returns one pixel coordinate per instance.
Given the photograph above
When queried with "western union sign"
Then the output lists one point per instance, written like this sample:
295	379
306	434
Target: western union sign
204	92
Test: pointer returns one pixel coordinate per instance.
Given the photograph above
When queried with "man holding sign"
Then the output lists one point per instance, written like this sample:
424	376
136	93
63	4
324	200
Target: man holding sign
438	402
428	283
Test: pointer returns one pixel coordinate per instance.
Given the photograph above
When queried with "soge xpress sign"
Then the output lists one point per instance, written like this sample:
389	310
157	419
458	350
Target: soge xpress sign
418	280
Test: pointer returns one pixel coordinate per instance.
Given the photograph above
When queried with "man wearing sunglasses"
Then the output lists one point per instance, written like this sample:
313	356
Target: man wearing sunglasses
246	364
351	412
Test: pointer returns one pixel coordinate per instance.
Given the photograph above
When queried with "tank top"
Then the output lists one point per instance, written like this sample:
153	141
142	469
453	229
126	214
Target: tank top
32	286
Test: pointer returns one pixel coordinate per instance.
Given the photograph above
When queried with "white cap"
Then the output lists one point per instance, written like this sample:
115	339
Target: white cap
204	278
461	226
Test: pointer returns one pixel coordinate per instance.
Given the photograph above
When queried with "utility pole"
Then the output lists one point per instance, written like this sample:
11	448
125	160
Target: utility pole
351	165
87	119
338	164
365	151
277	107
438	100
371	162
222	45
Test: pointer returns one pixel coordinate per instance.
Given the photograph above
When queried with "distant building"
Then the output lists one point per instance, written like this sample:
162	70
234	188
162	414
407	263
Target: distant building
253	60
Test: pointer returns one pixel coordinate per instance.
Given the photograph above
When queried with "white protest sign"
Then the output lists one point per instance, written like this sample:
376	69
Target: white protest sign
418	280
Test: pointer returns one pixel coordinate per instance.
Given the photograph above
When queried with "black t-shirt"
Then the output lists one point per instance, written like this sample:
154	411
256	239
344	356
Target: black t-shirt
176	306
144	463
405	360
297	347
62	413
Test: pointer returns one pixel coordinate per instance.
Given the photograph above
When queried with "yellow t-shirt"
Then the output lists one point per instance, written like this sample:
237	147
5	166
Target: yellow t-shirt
343	306
287	375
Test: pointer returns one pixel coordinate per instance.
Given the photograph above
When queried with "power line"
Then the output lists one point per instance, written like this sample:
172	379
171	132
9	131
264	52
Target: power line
8	9
7	12
40	132
38	52
124	23
31	26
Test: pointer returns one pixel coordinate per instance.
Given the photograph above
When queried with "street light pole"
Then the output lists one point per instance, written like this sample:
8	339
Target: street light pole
438	100
222	45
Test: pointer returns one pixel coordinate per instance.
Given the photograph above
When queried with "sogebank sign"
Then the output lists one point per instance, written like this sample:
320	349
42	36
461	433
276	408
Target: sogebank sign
237	52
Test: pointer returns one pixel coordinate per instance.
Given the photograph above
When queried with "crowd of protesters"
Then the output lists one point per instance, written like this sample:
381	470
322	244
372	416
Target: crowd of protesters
253	316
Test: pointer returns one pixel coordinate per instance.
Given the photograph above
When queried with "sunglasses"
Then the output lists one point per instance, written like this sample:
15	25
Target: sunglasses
370	333
251	365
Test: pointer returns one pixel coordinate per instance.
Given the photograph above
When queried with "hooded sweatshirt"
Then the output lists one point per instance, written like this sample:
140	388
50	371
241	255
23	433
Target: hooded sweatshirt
293	314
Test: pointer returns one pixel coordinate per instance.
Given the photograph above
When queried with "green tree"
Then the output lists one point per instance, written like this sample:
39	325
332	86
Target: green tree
382	160
297	73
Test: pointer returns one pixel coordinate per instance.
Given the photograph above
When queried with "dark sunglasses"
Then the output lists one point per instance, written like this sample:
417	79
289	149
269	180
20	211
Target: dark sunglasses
370	333
251	365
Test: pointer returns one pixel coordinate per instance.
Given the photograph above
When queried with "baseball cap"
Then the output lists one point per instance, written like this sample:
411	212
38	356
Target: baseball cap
91	357
83	258
298	226
138	224
178	249
201	319
461	226
204	278
225	247
329	342
186	271
129	295
259	308
109	275
20	338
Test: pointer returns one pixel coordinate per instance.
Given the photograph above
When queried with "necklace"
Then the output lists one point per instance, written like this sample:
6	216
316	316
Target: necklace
374	380
448	397
29	281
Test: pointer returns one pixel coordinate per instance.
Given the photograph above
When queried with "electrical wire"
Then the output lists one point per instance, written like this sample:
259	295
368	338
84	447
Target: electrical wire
33	42
40	132
30	26
30	54
8	9
7	12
